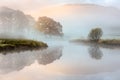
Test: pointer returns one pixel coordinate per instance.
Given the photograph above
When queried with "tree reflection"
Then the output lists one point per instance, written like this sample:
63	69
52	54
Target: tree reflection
17	61
49	55
95	51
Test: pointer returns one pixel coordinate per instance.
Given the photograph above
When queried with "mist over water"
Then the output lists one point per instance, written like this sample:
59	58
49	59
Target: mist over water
62	60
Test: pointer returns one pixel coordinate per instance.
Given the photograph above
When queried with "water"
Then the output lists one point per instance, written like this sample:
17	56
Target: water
63	61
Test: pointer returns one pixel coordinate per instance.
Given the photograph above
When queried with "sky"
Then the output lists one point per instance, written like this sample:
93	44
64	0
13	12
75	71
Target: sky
39	3
31	6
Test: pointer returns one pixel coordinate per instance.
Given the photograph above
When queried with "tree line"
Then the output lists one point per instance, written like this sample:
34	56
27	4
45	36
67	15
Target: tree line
49	26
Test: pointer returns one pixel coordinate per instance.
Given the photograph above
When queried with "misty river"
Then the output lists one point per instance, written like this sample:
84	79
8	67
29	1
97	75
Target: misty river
62	60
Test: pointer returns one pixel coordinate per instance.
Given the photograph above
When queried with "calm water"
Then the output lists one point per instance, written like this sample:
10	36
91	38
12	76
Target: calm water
63	61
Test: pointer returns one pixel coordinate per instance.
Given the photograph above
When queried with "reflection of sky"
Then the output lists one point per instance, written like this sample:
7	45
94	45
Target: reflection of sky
17	61
40	73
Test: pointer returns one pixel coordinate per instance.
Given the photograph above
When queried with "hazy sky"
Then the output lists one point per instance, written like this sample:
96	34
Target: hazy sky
31	6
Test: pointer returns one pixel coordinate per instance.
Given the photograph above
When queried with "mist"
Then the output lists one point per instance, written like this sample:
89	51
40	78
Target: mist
77	21
16	24
61	60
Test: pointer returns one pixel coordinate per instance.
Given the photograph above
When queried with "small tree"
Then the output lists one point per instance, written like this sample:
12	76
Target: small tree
95	34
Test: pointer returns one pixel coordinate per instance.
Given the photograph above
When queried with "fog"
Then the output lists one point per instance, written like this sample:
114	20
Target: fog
62	60
77	20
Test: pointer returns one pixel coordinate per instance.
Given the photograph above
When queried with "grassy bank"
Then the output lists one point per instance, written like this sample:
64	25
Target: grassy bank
18	45
108	43
102	41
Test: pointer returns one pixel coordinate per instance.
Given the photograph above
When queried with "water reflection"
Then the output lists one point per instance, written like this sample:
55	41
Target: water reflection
49	55
95	52
17	61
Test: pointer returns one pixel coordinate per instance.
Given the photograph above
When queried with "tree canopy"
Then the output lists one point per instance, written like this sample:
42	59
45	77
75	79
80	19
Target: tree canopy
49	26
95	34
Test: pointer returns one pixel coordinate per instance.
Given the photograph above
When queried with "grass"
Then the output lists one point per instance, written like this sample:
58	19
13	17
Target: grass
110	42
102	41
18	45
105	43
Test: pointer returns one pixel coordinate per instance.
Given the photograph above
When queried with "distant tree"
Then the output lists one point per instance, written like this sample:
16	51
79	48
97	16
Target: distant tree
15	24
95	34
49	27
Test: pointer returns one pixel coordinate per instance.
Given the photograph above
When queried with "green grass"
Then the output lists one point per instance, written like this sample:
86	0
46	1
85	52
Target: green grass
17	45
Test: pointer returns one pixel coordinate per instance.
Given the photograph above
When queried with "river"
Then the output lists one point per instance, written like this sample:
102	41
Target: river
62	60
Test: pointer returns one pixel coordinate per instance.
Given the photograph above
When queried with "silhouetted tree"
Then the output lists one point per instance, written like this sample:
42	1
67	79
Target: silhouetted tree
49	27
95	34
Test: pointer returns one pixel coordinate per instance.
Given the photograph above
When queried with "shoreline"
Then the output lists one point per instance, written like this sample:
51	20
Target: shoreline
17	45
105	43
